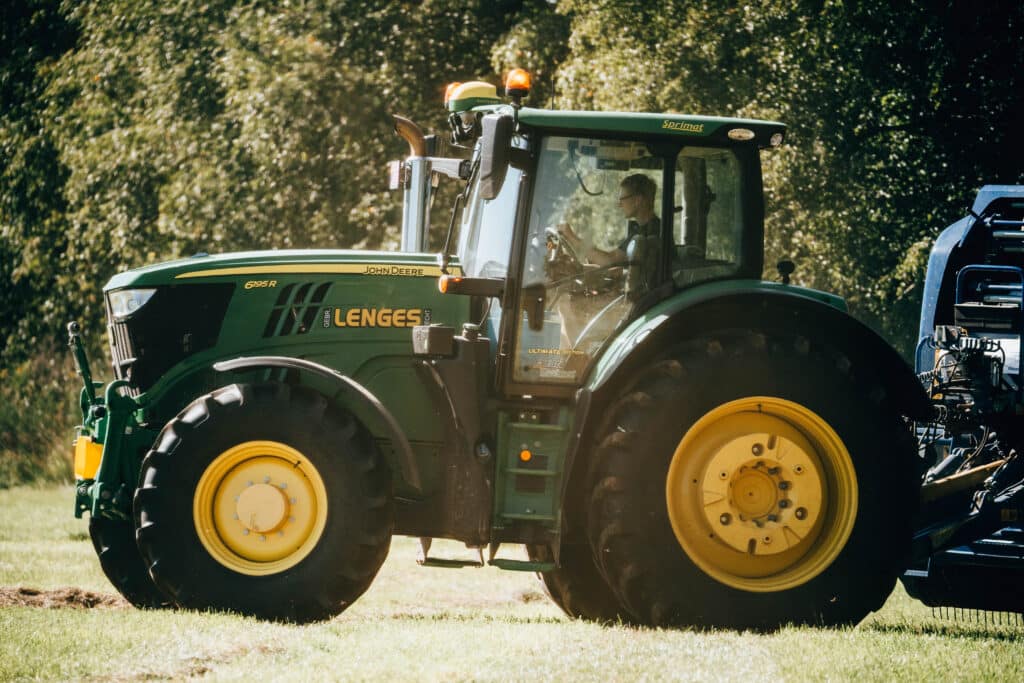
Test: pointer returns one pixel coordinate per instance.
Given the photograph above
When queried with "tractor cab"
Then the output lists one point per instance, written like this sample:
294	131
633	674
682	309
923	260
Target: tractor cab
582	221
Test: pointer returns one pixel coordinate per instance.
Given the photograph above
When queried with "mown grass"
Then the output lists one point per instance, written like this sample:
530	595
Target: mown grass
439	624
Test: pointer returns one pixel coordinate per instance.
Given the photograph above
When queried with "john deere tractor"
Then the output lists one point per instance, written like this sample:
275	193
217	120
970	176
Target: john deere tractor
674	440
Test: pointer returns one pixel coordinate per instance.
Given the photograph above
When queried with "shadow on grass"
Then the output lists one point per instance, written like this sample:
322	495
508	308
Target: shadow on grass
987	628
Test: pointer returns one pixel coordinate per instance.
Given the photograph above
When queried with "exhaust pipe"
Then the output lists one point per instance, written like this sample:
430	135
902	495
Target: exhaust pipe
416	190
412	134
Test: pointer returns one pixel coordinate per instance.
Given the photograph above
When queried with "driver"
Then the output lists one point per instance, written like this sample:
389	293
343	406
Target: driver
636	201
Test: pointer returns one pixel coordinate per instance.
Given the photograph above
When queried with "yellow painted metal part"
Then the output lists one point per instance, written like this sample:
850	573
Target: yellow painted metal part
396	269
762	494
260	508
88	455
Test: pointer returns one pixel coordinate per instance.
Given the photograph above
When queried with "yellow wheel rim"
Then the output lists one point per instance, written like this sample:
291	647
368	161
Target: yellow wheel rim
762	494
260	508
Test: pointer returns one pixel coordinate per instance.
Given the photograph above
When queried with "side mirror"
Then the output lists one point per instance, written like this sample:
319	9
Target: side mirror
495	150
534	301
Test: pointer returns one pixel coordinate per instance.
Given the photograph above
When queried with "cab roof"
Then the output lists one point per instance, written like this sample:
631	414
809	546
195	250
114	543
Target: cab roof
700	128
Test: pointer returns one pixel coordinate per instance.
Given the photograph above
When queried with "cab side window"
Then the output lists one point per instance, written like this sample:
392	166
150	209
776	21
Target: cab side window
709	217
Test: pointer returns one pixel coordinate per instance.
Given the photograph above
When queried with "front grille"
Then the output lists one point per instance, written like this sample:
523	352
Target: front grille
177	322
121	352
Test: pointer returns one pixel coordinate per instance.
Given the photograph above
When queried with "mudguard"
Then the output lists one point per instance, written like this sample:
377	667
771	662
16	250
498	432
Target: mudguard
355	397
762	305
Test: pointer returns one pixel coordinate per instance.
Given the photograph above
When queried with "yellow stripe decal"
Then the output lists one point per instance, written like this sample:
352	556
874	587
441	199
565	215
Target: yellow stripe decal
392	269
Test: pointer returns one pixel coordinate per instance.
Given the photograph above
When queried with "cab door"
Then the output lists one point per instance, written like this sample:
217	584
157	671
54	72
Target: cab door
588	256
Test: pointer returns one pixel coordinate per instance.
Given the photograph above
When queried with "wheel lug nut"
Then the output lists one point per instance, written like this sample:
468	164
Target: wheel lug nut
784	503
725	519
801	513
245	532
773	471
266	480
784	485
773	518
757	449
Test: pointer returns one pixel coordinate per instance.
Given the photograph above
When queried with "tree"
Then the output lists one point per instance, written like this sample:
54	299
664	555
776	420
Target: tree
897	115
155	130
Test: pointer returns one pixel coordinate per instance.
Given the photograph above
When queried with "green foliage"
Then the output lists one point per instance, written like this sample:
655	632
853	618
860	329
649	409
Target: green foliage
135	132
897	114
160	129
36	409
138	131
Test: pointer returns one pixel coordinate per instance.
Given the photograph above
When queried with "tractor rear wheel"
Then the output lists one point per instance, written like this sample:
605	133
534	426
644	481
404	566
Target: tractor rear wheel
748	482
577	586
265	500
114	542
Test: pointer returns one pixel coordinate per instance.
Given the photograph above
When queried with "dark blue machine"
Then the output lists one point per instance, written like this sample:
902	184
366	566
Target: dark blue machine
969	550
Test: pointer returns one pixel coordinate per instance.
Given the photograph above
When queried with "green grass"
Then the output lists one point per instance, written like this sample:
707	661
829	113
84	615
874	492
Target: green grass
439	624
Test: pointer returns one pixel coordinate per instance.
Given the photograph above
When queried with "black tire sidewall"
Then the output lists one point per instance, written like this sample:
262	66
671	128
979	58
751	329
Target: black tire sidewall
342	455
122	564
674	589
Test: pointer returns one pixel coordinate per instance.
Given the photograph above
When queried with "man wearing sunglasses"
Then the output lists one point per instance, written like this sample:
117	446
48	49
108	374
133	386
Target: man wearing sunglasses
636	201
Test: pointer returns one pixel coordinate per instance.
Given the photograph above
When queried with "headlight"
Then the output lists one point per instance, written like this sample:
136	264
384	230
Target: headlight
124	302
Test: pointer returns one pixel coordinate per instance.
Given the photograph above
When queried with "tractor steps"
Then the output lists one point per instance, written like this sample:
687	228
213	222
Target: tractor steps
424	560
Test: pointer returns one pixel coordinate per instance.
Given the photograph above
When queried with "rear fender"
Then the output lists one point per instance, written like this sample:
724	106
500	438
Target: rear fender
764	306
348	393
734	305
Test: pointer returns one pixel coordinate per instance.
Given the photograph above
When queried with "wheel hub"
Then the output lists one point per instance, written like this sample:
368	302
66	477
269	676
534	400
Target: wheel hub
762	493
260	507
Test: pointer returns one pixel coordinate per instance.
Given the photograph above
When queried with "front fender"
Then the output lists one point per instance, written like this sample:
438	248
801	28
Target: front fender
354	396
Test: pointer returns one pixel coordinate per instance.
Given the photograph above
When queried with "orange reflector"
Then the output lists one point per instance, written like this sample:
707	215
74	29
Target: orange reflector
444	281
88	454
448	91
517	83
525	455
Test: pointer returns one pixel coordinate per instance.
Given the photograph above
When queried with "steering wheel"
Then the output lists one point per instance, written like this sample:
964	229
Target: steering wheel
563	266
560	249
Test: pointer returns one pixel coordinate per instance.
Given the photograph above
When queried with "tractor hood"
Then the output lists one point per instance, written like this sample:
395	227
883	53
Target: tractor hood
263	264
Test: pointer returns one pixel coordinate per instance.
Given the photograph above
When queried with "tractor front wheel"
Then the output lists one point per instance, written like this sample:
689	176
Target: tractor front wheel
265	500
114	542
751	481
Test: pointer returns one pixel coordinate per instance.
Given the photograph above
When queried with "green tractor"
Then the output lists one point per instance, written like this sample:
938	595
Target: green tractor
592	368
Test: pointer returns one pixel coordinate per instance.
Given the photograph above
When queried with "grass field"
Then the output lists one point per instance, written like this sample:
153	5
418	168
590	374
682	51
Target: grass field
437	624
